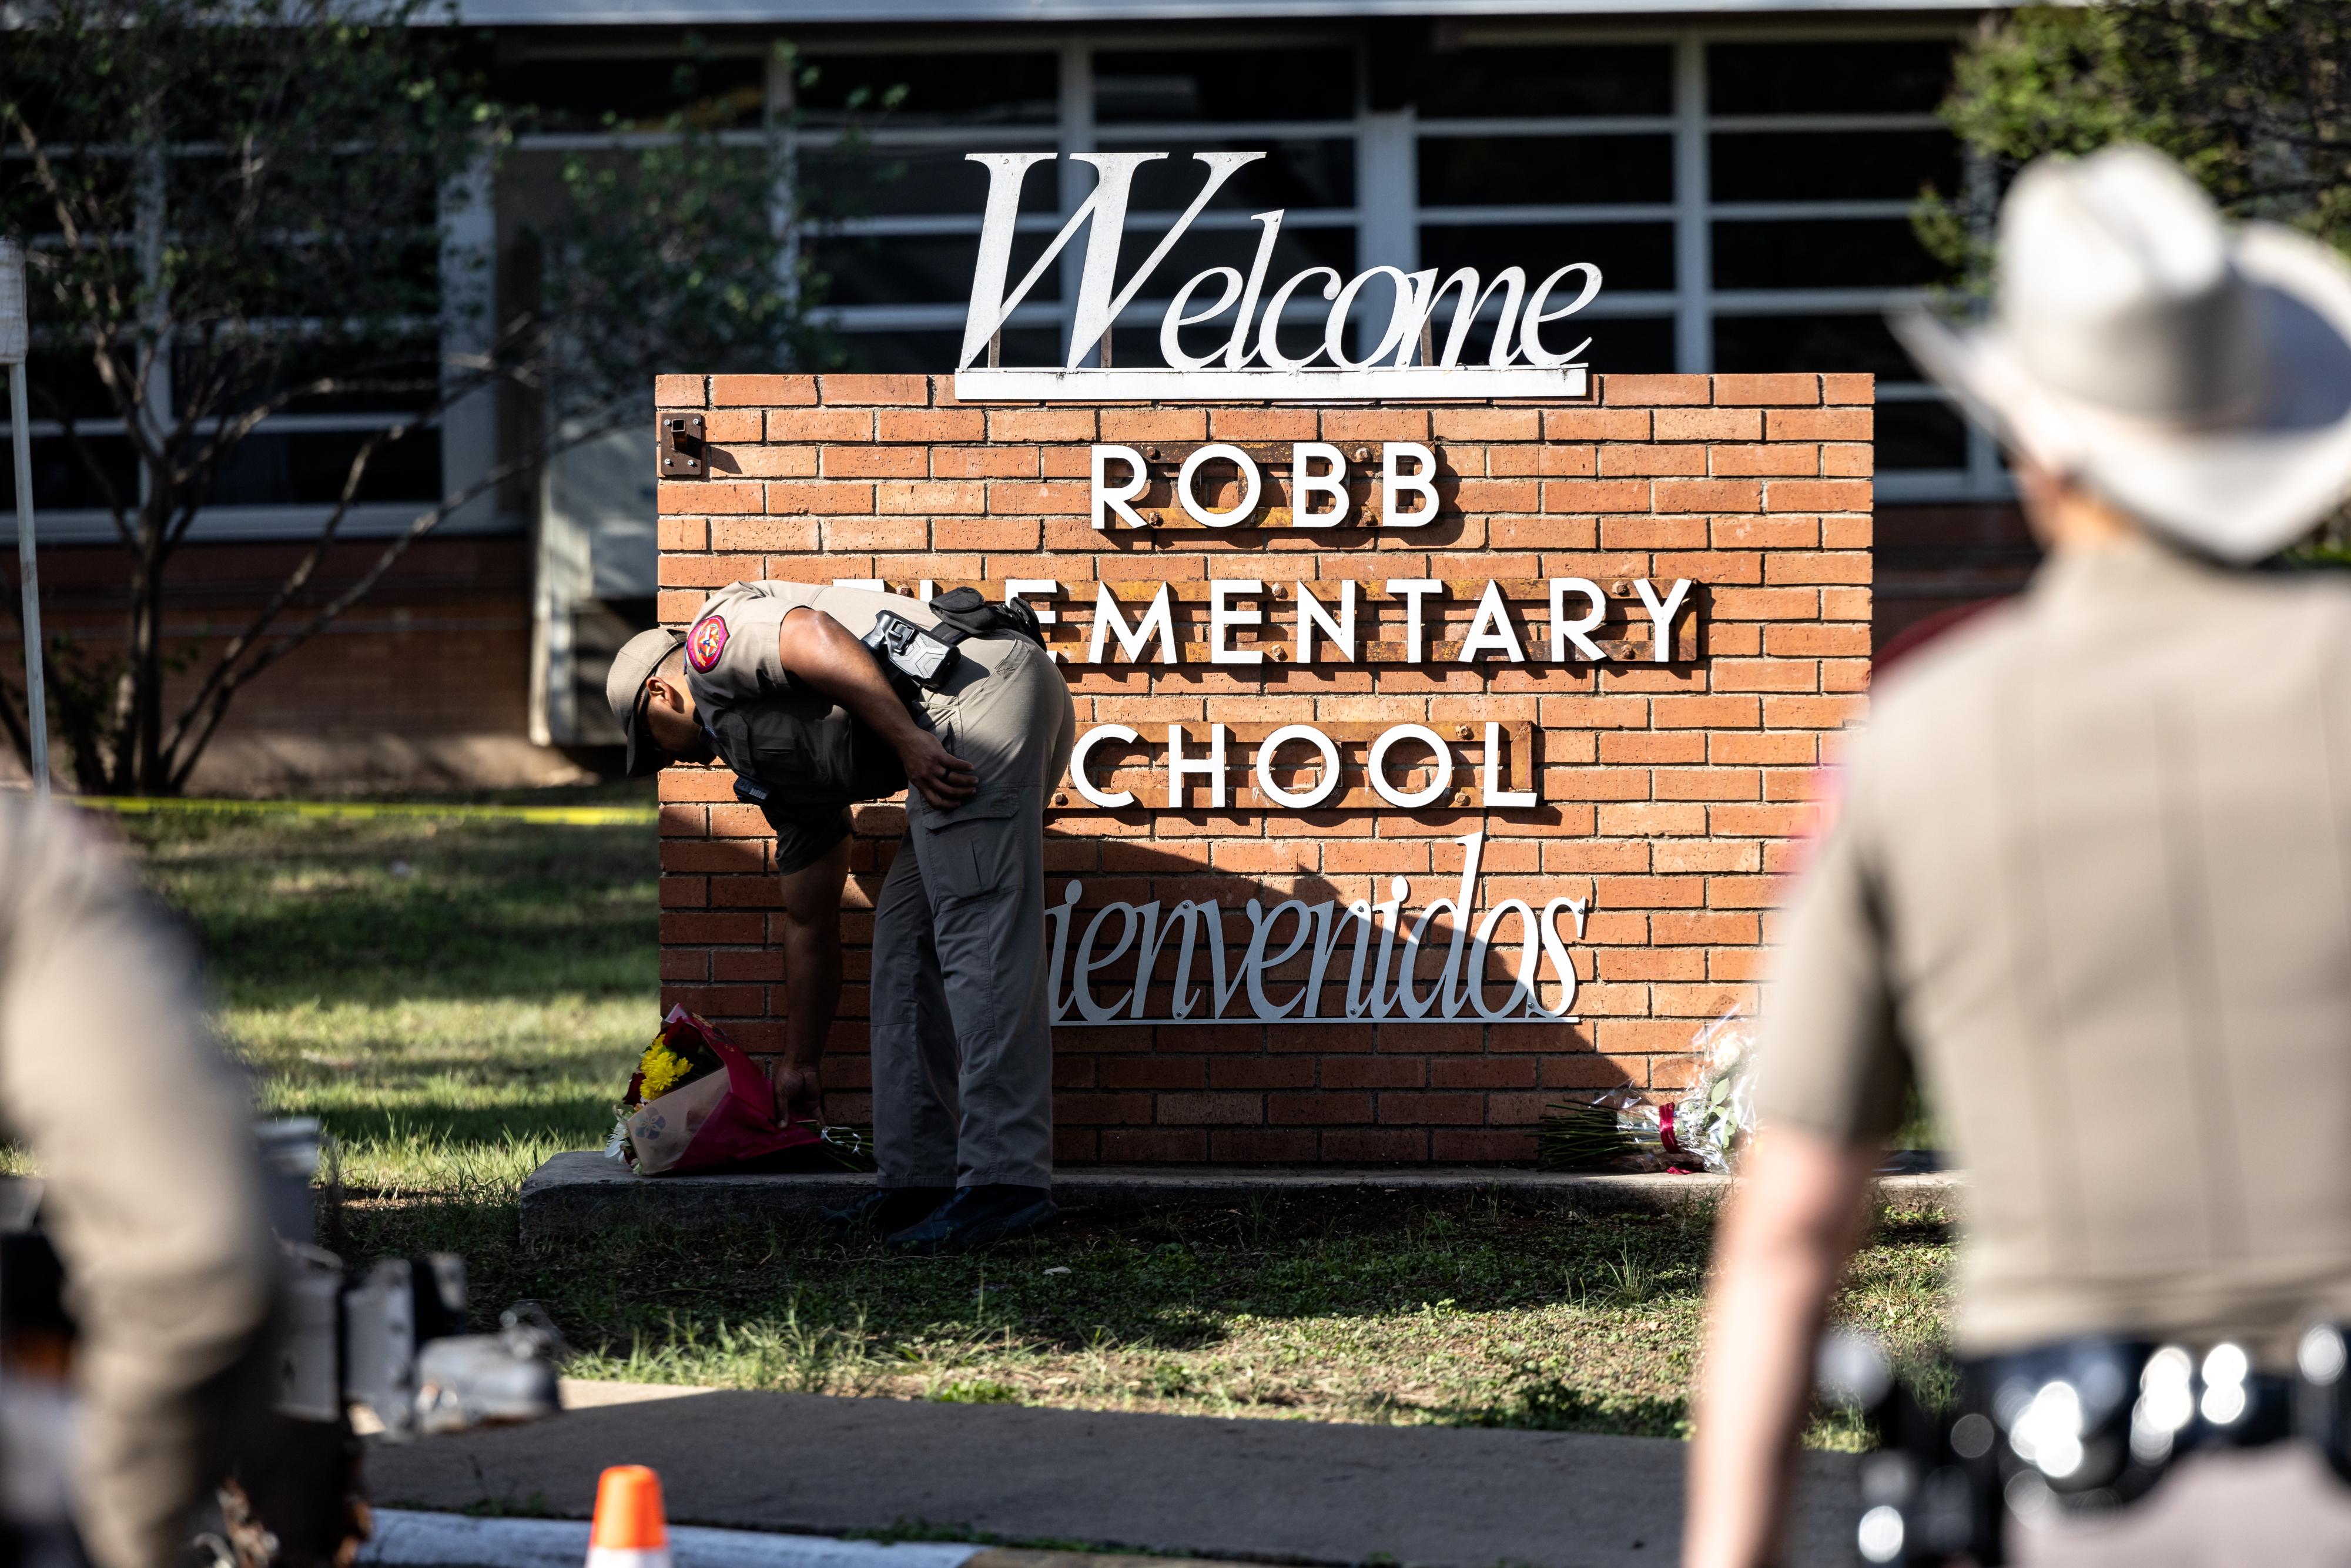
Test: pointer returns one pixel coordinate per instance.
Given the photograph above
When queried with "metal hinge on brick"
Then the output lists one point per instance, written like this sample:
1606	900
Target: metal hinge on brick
681	447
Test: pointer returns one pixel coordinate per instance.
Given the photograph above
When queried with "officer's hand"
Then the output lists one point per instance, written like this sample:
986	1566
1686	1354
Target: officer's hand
945	781
799	1096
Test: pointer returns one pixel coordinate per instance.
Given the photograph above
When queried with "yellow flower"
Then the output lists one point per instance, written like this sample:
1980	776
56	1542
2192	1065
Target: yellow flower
663	1070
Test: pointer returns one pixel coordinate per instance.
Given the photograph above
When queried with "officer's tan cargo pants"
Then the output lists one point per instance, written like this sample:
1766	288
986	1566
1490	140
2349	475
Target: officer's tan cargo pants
962	1023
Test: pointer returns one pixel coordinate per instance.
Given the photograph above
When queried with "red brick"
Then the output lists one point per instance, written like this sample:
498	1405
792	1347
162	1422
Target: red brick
763	391
1847	533
733	424
1818	496
1711	495
1782	458
766	535
1595	496
1128	425
1487	424
1710	425
876	463
936	425
1625	459
815	424
820	496
1848	460
1818	423
1264	424
1774	388
679	391
1654	392
914	389
1320	1110
1040	424
1849	387
705	497
1596	425
1254	1149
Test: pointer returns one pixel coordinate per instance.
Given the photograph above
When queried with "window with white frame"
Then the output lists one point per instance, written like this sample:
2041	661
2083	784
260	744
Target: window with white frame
1746	190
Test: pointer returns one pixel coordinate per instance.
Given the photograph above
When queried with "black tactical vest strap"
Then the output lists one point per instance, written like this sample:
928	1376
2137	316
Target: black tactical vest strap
964	610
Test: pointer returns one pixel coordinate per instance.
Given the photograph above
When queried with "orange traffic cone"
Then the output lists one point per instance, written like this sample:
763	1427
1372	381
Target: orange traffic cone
630	1532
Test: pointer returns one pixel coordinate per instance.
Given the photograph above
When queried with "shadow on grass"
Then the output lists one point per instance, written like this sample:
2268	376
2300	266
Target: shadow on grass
1553	1405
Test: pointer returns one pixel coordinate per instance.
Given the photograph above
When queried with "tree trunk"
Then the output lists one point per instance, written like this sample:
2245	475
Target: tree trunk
137	767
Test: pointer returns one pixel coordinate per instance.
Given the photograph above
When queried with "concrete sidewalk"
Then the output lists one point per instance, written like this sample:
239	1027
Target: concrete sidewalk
1288	1491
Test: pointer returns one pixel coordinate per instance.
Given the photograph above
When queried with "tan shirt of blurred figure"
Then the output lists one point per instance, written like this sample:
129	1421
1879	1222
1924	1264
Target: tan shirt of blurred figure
154	1200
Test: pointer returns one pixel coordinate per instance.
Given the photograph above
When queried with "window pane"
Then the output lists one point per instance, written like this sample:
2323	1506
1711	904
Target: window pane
1843	253
67	381
1568	79
1842	165
1920	436
1301	173
391	376
1490	171
918	269
1296	250
62	480
1178	84
881	182
1764	344
267	470
934	354
1883	77
1635	346
929	89
1629	255
576	95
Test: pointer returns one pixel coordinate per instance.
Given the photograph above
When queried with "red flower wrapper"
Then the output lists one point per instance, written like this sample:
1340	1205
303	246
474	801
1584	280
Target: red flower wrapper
716	1121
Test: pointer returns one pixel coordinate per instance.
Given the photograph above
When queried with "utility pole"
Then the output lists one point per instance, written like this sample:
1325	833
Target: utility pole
15	340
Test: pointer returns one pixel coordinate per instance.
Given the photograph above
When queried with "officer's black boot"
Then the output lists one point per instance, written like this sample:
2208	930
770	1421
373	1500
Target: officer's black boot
977	1216
889	1209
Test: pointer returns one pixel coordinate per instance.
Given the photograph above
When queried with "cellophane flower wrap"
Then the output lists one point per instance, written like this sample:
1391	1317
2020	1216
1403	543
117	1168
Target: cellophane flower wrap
697	1104
1704	1128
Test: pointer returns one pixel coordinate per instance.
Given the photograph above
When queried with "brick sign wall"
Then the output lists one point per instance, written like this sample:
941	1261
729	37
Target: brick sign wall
1637	809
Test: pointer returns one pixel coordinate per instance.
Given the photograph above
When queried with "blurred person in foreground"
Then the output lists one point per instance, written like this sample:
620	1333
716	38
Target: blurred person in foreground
151	1186
2090	883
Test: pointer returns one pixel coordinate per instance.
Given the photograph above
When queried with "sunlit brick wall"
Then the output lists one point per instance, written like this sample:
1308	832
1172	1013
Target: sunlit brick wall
1669	791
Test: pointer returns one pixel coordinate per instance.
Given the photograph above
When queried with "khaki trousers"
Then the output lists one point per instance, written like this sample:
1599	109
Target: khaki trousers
2273	1506
962	1030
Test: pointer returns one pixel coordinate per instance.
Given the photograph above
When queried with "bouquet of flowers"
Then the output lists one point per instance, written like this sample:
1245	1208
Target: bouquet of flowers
1703	1129
697	1104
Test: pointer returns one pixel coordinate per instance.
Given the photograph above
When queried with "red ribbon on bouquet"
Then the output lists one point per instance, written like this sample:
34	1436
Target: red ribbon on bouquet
1666	1135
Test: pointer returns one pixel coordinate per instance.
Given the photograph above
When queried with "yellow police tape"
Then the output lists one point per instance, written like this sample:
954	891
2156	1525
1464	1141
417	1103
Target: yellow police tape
360	811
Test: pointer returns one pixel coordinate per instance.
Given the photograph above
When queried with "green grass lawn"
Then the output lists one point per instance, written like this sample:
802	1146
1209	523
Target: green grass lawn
457	1000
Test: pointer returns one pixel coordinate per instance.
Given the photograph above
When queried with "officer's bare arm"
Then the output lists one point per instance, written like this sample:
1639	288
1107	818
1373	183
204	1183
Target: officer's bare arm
811	945
1793	1223
818	650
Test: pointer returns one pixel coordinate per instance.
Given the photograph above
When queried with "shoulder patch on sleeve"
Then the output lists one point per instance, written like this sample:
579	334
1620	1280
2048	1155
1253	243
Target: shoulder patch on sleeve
704	642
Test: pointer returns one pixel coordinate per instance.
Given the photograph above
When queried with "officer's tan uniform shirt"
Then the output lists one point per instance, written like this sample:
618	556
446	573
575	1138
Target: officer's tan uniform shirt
2092	875
143	1135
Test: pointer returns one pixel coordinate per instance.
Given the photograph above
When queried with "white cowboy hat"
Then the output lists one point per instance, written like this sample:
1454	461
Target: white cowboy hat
2197	377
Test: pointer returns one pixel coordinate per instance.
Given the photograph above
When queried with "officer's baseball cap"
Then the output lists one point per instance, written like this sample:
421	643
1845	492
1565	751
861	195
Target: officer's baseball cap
624	688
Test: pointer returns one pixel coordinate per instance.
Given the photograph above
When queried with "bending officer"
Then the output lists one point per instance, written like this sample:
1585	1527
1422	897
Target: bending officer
775	679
